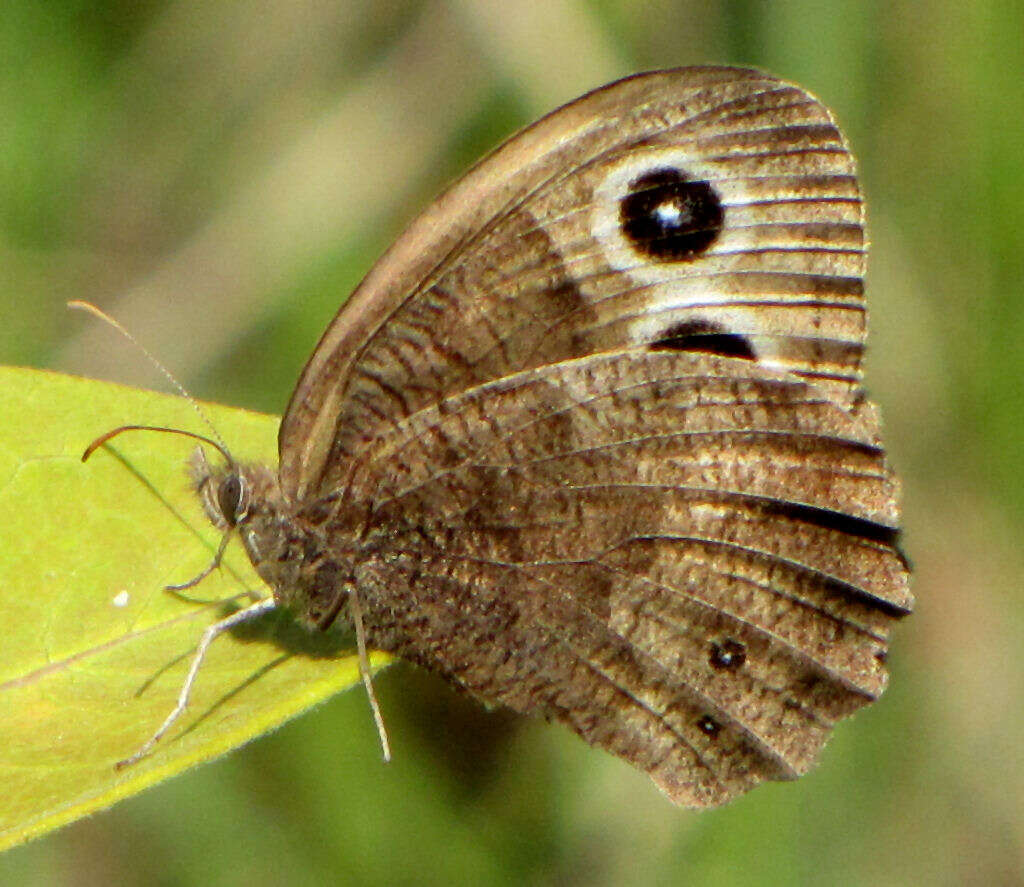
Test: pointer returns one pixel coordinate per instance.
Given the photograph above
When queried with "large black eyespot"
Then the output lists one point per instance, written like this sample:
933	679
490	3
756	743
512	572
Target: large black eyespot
669	217
230	496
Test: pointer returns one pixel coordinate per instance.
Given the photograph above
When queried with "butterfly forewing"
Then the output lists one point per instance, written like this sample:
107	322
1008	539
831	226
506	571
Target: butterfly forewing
596	423
523	262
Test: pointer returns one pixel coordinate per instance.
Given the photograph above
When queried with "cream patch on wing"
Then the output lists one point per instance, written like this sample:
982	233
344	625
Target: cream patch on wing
670	222
751	249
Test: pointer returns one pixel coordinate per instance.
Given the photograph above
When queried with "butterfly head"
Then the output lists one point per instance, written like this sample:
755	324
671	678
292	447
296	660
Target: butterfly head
246	499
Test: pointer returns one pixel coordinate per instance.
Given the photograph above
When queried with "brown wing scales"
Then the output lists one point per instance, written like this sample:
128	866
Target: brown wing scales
520	263
616	477
555	513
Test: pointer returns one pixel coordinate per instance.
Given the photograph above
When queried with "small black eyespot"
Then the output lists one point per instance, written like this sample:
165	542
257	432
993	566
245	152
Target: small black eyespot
729	655
705	337
229	498
709	726
670	218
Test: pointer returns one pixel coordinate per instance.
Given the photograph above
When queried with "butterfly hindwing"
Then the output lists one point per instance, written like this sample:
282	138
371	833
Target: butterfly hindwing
633	513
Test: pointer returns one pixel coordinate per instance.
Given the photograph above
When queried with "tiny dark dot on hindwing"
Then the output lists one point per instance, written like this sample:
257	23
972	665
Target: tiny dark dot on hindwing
705	337
669	217
709	726
729	655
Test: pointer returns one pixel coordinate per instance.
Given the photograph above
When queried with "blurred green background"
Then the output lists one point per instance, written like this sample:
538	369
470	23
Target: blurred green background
220	175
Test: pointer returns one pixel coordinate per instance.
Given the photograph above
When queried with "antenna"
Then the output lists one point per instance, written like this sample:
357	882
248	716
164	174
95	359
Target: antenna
103	438
102	315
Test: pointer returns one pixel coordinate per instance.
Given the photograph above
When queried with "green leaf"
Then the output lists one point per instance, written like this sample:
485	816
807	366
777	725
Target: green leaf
94	650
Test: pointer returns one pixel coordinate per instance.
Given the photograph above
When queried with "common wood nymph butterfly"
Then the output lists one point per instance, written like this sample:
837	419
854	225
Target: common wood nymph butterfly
590	439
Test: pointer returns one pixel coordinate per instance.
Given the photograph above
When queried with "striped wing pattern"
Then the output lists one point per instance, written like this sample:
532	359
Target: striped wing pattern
613	475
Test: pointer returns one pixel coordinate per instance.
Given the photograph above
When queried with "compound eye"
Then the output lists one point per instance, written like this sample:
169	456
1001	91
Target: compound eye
231	499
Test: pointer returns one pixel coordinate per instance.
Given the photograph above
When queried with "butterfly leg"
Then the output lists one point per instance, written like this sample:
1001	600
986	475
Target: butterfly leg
355	609
194	581
249	613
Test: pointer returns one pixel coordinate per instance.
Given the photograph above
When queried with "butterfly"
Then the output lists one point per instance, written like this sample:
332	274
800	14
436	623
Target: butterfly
591	441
